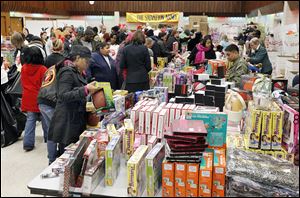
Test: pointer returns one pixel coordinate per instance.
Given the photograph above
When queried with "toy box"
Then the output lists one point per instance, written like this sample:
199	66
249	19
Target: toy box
148	121
119	102
93	177
206	175
155	117
219	172
271	153
120	92
178	111
254	133
88	133
266	130
172	113
192	180
107	92
277	121
168	179
164	93
129	138
290	129
152	141
216	126
134	115
111	129
121	131
112	160
279	154
185	108
136	172
180	179
154	161
102	139
142	114
162	122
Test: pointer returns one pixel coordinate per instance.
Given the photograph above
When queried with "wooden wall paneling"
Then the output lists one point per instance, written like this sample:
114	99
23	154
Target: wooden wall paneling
272	8
3	26
16	24
294	5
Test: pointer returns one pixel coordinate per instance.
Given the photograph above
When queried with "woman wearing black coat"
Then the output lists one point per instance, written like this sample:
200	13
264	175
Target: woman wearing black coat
69	118
194	41
136	60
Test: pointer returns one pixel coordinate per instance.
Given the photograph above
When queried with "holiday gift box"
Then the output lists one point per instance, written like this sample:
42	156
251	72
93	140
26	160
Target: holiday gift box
93	176
142	114
180	179
206	175
255	130
192	180
154	161
162	122
219	172
148	121
112	160
168	179
129	138
290	129
155	117
277	121
136	172
266	130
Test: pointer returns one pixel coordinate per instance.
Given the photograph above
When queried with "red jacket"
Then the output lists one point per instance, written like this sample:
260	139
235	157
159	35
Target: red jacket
31	80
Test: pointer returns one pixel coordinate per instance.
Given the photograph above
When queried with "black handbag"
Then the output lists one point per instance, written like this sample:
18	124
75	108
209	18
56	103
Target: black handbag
16	87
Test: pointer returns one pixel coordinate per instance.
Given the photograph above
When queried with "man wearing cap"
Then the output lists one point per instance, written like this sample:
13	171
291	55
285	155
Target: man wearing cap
87	40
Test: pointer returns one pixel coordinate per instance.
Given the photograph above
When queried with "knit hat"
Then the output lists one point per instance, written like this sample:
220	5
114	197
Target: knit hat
79	50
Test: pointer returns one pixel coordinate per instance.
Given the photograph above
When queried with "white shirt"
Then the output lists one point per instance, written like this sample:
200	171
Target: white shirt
113	51
107	60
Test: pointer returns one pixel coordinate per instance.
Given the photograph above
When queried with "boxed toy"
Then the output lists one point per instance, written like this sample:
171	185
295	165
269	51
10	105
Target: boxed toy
172	113
102	139
277	118
88	133
266	130
206	175
136	172
216	126
112	160
119	102
142	119
254	135
134	115
120	92
219	172
271	153
111	129
192	180
185	108
108	93
121	131
155	117
290	129
93	177
168	179
164	92
162	122
129	138
180	179
148	121
178	111
154	161
279	155
152	141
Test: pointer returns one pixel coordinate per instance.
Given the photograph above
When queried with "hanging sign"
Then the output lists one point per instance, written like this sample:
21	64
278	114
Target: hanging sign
152	17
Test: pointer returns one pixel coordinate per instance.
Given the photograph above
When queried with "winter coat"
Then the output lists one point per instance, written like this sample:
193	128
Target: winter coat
31	81
53	59
69	118
100	70
198	54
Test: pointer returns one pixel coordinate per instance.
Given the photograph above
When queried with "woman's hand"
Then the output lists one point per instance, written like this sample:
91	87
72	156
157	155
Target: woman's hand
92	88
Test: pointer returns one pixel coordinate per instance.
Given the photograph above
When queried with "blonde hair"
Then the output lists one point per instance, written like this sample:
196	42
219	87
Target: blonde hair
17	40
57	45
225	38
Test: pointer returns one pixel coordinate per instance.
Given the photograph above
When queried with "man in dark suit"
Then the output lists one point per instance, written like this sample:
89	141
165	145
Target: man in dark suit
258	55
102	67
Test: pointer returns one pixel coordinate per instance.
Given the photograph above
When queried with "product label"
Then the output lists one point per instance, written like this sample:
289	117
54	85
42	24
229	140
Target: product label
180	167
168	167
220	170
205	174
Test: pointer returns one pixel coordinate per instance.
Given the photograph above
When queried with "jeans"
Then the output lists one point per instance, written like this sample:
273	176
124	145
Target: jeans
47	113
29	135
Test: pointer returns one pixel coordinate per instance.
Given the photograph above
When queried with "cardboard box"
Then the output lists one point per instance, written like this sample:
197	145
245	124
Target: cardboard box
162	122
148	121
136	172
102	140
119	102
121	131
112	160
266	131
185	108
120	92
129	138
255	130
134	114
192	180
155	117
219	172
93	176
152	142
154	161
271	153
280	155
206	175
172	113
178	111
142	119
168	179
89	134
277	118
111	129
180	179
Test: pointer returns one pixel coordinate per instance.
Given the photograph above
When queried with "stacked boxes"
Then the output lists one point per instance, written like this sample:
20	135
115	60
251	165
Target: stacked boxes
168	176
180	179
112	160
266	131
136	172
277	130
205	175
192	180
219	172
128	138
154	161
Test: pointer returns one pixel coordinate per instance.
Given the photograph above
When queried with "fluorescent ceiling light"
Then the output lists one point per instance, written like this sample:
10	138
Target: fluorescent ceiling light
92	2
